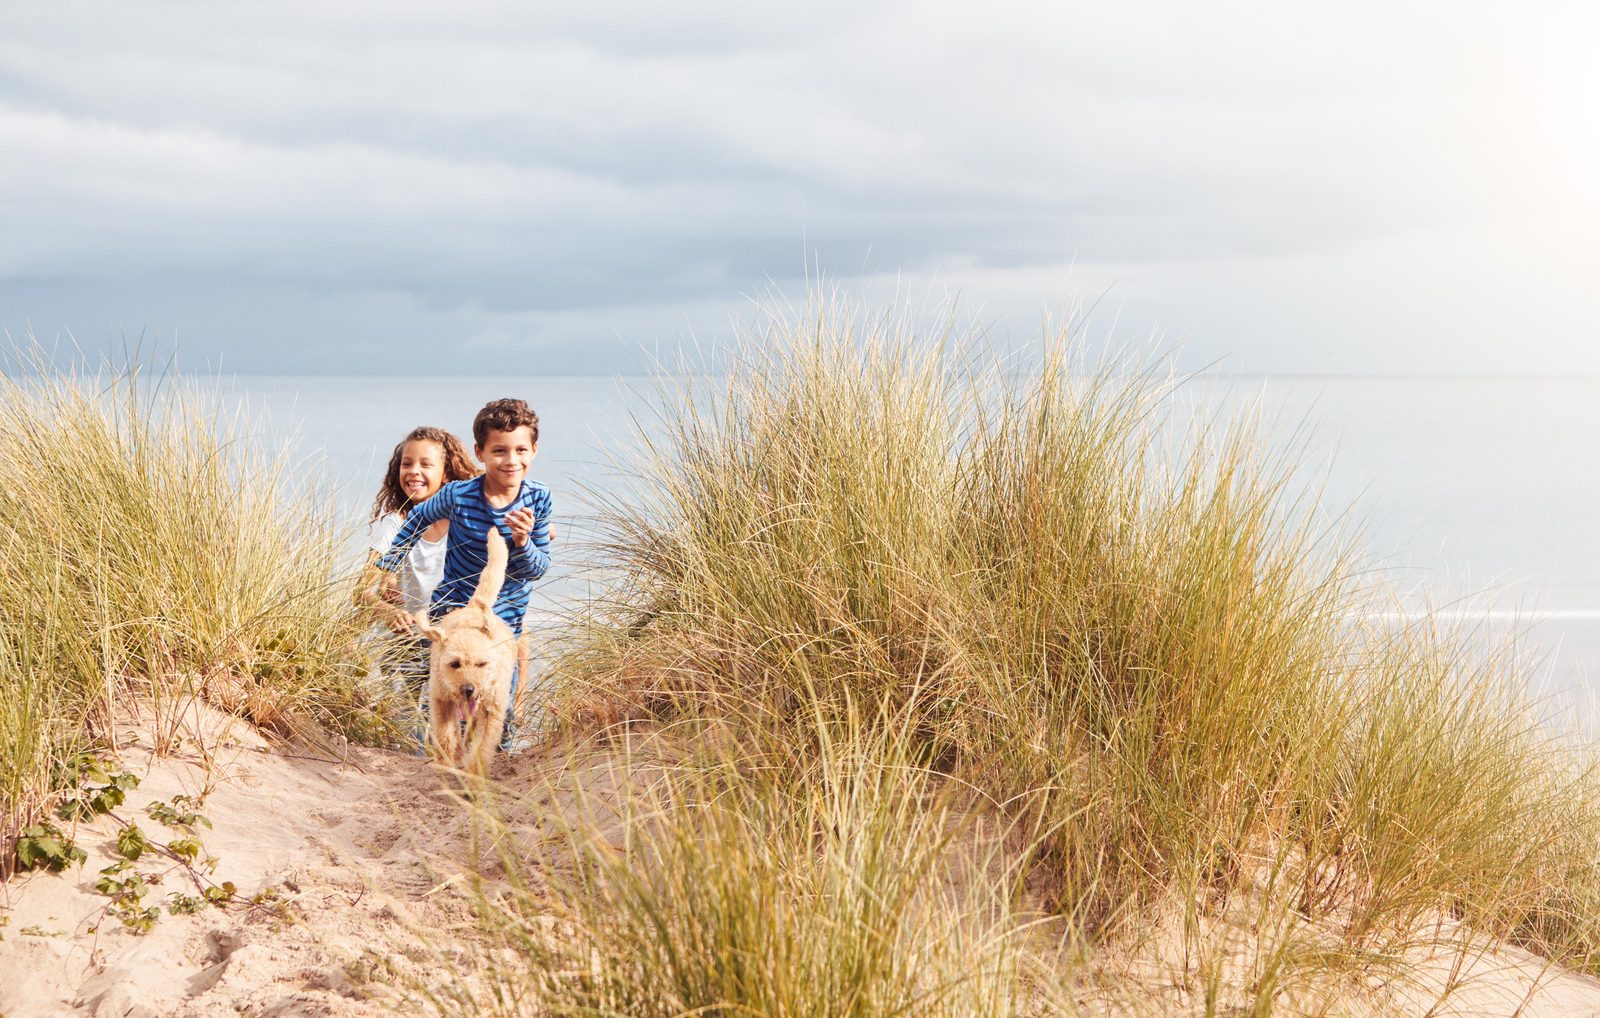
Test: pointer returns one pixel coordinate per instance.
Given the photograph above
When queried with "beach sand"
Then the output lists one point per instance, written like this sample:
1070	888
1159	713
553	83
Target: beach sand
366	852
344	844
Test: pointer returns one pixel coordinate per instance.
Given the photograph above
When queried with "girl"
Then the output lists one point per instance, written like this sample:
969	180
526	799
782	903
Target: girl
423	461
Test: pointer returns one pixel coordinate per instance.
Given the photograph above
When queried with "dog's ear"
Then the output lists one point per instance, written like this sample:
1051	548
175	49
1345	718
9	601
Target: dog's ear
432	634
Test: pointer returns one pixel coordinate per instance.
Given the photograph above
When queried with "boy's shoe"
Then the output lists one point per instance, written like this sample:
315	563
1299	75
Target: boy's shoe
508	734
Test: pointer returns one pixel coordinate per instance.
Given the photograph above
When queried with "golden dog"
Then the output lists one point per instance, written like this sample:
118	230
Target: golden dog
469	671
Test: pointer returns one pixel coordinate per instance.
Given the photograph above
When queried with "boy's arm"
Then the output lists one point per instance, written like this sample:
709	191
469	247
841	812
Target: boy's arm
422	517
530	559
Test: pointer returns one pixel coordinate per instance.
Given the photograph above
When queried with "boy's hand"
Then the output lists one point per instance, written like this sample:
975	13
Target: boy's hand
521	522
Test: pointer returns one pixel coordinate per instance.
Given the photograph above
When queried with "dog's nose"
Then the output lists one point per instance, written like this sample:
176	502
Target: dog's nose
467	692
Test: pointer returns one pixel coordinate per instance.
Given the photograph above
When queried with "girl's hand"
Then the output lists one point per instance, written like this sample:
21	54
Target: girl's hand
521	522
377	589
389	590
402	623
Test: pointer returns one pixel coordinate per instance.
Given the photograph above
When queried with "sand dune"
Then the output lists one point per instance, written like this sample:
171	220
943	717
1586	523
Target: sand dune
347	844
366	852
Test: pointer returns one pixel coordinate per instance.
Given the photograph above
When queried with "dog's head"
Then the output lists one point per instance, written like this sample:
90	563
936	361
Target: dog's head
471	660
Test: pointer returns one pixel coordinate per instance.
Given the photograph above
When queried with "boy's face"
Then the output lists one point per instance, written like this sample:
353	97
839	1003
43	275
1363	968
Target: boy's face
506	456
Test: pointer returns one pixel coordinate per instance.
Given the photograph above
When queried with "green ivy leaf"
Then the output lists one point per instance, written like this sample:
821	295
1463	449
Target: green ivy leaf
131	842
107	798
221	894
186	848
74	809
43	846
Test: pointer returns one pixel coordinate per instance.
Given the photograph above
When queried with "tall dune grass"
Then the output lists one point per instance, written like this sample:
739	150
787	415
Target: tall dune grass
733	883
1141	639
151	549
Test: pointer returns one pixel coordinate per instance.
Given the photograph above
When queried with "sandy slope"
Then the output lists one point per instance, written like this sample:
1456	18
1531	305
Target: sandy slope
367	854
349	845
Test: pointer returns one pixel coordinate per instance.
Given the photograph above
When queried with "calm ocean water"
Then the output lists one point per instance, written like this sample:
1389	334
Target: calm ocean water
1465	486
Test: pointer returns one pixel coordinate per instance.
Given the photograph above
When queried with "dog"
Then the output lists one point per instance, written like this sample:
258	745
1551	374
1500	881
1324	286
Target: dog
469	671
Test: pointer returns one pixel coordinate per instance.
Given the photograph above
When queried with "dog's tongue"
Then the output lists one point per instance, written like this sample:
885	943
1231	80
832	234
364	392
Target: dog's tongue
472	706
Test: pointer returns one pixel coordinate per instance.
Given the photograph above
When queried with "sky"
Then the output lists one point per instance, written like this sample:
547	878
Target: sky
1349	187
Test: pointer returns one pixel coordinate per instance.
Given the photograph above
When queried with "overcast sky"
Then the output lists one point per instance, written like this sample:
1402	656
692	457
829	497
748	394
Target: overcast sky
1348	186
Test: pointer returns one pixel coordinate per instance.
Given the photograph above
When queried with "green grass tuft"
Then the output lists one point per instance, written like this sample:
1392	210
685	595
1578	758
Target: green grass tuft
153	549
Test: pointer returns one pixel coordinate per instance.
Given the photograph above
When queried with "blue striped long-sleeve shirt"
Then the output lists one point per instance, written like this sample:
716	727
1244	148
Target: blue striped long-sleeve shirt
466	551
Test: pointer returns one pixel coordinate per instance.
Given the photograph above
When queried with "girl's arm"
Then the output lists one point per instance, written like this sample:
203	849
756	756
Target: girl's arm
439	507
377	592
371	588
368	589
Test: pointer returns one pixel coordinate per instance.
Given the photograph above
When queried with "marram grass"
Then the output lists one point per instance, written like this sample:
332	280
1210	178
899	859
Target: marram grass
730	883
151	549
1144	644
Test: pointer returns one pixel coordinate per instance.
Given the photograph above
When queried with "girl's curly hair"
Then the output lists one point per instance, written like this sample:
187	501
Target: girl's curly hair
458	466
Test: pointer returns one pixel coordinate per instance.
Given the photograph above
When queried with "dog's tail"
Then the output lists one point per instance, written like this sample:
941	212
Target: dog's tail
494	572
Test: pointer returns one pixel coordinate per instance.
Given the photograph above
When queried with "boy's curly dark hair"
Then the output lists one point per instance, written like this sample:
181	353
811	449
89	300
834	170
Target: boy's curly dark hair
458	466
504	415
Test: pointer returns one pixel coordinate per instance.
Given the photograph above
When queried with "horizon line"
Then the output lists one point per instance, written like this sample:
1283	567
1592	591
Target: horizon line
1421	376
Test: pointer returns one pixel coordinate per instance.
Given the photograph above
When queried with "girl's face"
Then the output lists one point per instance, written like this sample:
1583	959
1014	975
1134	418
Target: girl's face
421	470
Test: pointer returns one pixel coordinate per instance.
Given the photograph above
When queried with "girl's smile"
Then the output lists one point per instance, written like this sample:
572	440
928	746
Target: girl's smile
421	471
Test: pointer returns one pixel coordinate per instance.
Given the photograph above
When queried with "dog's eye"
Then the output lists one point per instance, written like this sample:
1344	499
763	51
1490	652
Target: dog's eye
480	664
455	664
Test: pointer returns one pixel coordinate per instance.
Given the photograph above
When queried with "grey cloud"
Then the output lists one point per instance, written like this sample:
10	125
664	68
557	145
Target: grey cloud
499	171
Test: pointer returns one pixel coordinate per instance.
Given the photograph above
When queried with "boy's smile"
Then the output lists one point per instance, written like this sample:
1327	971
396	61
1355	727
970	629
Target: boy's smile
506	456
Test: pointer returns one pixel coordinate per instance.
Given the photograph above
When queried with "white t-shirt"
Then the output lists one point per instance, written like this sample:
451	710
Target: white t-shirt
423	567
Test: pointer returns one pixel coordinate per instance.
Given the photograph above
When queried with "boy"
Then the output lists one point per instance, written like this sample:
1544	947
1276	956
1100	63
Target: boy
505	434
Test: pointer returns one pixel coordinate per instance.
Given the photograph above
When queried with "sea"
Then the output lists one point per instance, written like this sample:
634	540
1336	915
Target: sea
1478	498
